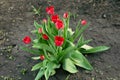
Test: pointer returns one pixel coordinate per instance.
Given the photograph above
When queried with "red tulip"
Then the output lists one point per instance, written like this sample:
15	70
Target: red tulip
59	40
65	15
26	39
50	10
42	57
54	18
40	30
59	24
45	37
83	22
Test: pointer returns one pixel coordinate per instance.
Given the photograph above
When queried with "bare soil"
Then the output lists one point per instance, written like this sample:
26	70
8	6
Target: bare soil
16	21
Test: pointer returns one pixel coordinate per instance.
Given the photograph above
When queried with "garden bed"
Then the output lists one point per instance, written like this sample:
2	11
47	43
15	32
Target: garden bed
16	21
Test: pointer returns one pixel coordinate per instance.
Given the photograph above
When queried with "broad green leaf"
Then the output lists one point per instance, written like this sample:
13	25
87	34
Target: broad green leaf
50	68
65	53
43	46
47	74
40	74
69	66
68	48
80	60
37	66
96	49
37	26
53	73
36	52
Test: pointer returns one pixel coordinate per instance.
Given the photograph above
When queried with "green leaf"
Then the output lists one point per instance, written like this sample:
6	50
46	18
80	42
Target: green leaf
79	32
36	40
67	78
43	46
80	60
80	40
70	33
37	26
69	66
50	68
68	44
53	73
47	74
77	28
36	52
96	49
40	74
37	66
36	11
34	31
65	53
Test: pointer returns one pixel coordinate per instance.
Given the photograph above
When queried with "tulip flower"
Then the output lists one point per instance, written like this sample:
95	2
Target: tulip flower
59	24
26	39
42	57
50	10
83	22
54	18
65	15
45	37
59	40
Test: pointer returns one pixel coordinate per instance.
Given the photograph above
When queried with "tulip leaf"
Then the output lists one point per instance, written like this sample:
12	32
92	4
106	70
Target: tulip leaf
47	74
80	60
96	49
50	68
65	53
43	46
37	66
37	26
34	31
69	66
82	41
36	40
36	52
40	74
80	31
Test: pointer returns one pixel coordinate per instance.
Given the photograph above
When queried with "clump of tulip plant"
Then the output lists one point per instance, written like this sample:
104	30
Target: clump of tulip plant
56	45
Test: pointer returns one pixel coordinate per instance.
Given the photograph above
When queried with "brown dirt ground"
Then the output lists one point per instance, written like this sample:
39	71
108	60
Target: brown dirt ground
16	21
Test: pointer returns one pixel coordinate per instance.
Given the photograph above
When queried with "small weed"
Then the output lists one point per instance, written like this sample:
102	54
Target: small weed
67	78
36	11
23	71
